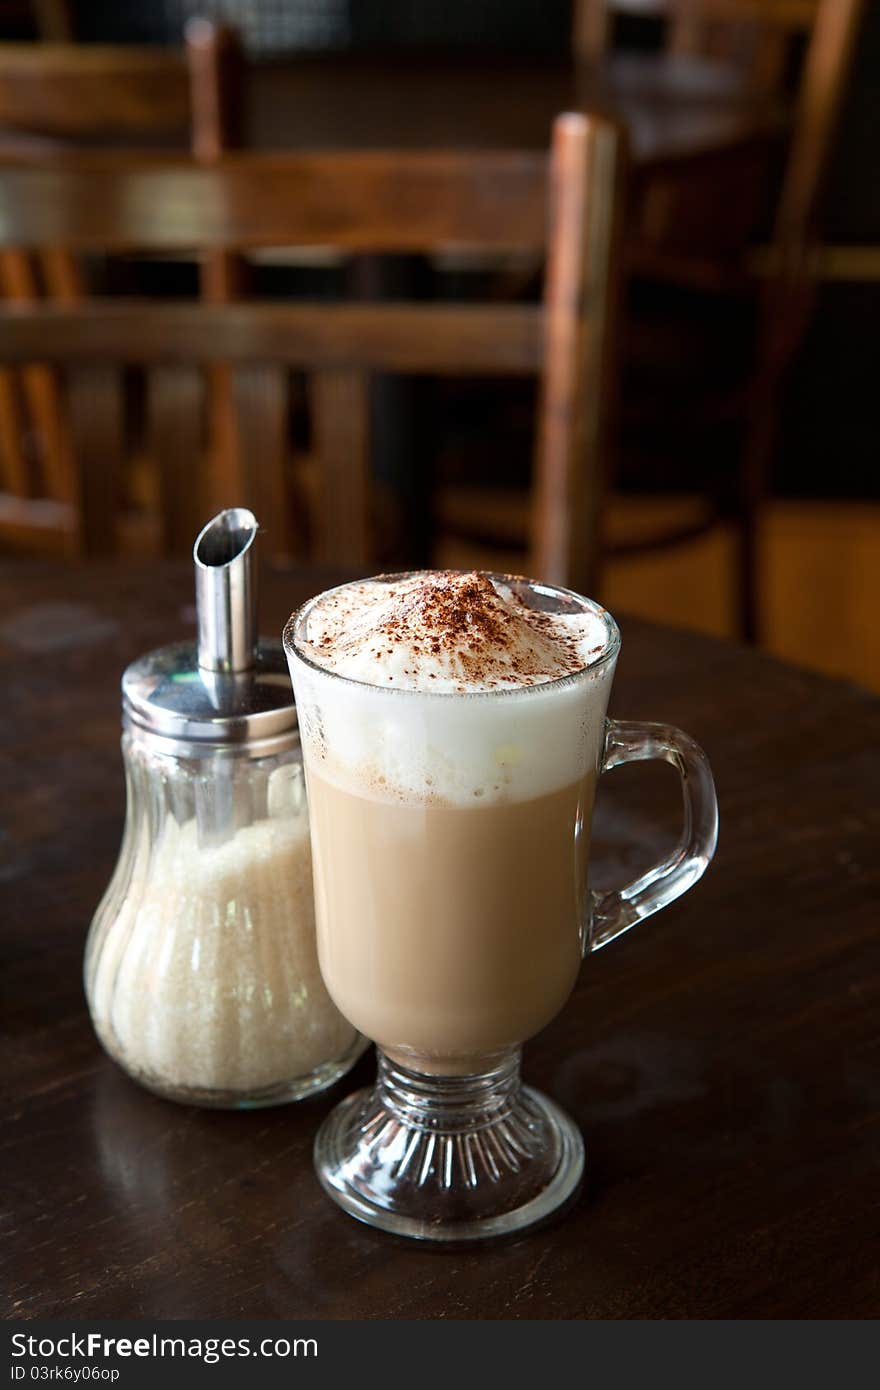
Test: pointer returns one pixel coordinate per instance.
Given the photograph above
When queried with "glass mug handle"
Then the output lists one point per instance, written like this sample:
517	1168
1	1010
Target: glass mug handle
629	742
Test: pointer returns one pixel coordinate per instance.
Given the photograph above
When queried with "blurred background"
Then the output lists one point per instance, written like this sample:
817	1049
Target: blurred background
652	374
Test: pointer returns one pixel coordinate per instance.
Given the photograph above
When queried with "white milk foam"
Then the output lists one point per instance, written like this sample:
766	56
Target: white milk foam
445	632
457	687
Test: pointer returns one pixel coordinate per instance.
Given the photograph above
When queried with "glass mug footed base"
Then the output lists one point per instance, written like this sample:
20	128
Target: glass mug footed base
461	917
449	1158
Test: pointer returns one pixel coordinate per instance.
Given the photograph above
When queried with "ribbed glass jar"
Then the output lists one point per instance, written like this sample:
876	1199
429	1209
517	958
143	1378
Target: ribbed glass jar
201	967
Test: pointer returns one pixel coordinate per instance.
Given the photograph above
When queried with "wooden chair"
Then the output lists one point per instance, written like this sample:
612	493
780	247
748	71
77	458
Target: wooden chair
55	96
753	35
364	202
760	37
696	226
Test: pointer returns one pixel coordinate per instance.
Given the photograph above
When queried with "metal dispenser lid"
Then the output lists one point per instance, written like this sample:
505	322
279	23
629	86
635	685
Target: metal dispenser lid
229	688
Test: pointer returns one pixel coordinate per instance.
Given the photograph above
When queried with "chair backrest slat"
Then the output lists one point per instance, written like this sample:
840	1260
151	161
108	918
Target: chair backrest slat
340	403
14	479
504	339
175	402
93	90
97	427
260	398
38	388
363	201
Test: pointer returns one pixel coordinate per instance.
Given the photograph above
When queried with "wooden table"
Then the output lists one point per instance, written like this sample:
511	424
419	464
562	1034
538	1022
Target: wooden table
722	1059
673	106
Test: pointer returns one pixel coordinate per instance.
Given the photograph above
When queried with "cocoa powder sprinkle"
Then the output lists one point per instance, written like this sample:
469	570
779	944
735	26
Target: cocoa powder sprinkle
478	632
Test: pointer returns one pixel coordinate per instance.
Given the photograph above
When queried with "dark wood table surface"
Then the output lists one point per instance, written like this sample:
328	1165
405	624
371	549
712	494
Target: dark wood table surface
722	1059
674	106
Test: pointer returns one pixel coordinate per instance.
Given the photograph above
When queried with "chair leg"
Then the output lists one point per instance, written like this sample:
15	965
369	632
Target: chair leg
784	317
748	561
752	489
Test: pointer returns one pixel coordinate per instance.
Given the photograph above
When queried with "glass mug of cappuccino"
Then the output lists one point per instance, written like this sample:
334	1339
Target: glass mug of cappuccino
453	728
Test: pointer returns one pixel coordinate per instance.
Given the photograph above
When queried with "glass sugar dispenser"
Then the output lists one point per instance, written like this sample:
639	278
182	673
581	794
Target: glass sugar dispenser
201	967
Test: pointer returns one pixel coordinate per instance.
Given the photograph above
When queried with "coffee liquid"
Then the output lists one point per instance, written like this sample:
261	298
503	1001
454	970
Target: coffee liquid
448	932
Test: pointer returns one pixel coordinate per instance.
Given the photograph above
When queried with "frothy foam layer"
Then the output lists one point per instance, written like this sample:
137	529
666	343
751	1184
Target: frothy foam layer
484	718
443	632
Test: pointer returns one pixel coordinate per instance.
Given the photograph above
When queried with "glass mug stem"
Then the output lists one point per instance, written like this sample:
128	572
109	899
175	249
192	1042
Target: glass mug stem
449	1158
627	741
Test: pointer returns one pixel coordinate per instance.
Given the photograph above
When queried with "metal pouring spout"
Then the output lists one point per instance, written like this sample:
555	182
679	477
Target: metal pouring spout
226	591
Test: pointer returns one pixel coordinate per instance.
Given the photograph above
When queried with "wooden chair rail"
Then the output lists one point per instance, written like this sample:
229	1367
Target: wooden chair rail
498	339
364	201
84	90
